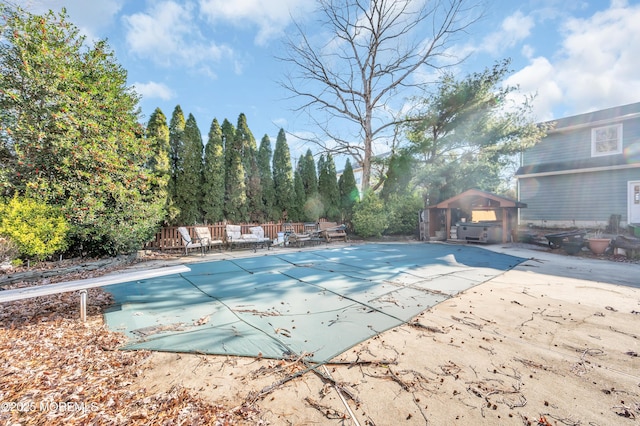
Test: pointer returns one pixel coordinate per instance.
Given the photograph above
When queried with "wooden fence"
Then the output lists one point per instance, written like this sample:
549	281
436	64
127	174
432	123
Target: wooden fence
168	237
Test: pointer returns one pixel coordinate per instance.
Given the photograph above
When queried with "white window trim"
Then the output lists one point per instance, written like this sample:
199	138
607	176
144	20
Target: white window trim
618	149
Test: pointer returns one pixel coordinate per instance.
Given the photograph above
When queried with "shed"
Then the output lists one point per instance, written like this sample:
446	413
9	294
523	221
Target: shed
493	215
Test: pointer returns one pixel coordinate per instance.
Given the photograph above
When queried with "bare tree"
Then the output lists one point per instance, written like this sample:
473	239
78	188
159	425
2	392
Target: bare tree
374	53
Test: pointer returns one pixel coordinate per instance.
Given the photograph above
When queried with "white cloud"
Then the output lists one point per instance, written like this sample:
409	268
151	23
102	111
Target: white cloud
271	17
513	29
168	35
91	17
517	26
600	58
595	68
527	51
280	122
152	90
537	79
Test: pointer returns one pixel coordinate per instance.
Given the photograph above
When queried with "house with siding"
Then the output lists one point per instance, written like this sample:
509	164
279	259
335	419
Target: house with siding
585	172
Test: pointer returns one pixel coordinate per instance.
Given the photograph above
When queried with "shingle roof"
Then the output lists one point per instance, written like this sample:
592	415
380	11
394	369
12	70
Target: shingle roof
620	112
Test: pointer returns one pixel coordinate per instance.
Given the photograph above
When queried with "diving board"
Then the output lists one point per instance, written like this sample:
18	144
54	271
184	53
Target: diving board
82	285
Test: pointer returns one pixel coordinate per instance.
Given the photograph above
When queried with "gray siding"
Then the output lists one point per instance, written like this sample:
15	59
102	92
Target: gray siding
581	197
575	145
558	147
631	135
576	197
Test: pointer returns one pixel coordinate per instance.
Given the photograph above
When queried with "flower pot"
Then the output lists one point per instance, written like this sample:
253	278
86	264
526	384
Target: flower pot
572	247
599	245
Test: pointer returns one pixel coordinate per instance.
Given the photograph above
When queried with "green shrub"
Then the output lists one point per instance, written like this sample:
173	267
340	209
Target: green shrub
313	208
37	229
403	214
369	216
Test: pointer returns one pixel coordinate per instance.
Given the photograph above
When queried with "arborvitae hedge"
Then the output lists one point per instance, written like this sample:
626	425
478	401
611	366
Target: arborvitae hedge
213	176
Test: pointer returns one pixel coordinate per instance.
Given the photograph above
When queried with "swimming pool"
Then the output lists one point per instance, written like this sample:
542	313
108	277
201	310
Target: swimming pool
286	304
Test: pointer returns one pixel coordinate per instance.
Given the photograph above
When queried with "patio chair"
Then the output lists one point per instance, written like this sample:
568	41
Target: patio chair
313	230
258	231
203	236
294	238
188	242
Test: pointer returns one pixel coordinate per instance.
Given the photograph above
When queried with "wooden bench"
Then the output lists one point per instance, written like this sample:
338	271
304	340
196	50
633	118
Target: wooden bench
331	230
631	246
82	285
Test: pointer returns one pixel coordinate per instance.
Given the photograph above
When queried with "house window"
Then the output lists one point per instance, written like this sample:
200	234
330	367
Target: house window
606	140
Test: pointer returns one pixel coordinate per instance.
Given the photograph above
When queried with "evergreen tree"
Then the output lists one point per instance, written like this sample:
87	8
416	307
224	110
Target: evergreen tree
157	133
328	187
283	176
321	168
349	194
253	186
399	174
228	137
158	163
235	207
266	178
463	137
255	203
246	141
312	205
176	148
309	175
189	181
213	176
71	136
296	212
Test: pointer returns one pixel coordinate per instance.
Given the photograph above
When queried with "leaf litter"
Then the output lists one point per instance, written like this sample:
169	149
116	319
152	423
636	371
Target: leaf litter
57	370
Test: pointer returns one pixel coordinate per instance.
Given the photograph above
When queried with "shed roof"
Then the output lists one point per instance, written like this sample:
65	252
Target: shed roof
477	198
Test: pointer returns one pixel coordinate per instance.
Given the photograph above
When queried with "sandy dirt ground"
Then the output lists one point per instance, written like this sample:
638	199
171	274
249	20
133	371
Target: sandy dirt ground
533	346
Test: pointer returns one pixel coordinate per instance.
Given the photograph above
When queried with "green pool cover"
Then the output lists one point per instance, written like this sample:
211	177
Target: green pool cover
286	304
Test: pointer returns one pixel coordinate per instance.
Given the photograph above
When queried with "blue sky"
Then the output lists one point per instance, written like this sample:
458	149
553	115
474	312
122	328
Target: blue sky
216	58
